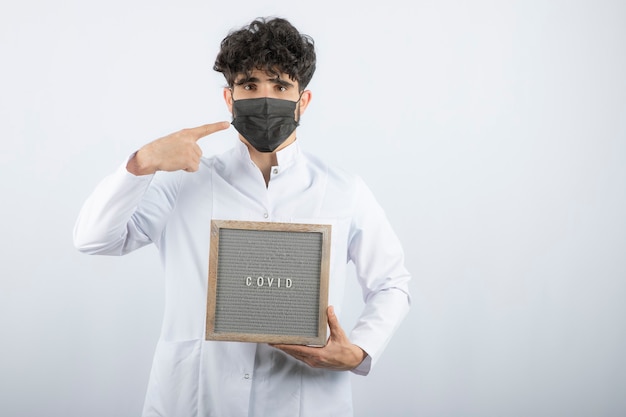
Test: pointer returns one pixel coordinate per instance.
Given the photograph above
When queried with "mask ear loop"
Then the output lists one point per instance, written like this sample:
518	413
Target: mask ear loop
232	97
298	108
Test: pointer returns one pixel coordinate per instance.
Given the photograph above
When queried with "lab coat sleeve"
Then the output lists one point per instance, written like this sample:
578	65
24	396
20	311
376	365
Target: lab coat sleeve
379	260
124	213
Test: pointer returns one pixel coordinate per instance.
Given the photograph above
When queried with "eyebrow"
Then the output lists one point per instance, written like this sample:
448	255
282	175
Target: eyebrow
276	80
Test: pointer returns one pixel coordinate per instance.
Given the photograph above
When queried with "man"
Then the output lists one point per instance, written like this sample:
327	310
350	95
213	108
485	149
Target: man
167	193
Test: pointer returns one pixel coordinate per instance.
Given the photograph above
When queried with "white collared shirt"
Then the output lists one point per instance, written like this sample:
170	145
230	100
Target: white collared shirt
194	377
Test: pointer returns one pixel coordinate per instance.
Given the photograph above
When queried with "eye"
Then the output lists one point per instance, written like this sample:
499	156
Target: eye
282	88
248	87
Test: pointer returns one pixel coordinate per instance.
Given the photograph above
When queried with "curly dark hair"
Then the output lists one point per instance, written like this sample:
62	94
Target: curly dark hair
273	45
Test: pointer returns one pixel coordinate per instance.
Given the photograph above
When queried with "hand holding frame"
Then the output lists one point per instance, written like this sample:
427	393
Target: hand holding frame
339	353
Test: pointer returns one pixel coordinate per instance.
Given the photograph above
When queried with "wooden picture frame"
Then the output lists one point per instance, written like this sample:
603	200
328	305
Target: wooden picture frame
268	282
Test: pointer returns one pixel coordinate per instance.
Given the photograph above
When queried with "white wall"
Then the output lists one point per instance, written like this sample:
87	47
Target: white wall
494	134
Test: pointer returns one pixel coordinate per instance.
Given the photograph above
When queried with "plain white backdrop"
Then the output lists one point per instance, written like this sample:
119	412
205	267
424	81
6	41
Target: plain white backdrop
492	132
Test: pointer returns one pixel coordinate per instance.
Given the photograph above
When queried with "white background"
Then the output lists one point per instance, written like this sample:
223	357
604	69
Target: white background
493	133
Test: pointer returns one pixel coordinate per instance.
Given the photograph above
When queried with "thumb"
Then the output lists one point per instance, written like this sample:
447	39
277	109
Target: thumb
205	130
333	323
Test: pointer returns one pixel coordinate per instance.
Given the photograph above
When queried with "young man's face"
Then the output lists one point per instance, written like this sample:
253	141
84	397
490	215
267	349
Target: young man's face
261	84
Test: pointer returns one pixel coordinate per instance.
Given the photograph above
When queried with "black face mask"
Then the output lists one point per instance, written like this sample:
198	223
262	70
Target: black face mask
265	122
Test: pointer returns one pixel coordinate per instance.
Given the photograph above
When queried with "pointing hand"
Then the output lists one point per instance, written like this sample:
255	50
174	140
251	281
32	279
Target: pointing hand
173	152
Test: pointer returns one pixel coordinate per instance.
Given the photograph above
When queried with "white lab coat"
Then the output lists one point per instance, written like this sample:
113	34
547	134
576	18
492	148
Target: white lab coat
194	377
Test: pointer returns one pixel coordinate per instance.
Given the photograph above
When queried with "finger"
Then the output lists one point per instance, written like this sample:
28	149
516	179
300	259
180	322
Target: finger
294	349
191	168
205	130
197	150
333	323
306	354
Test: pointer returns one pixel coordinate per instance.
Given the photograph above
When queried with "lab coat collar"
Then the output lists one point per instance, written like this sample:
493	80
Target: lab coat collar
286	156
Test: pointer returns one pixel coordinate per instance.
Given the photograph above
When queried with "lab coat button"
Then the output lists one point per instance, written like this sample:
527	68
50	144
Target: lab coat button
246	376
275	171
266	215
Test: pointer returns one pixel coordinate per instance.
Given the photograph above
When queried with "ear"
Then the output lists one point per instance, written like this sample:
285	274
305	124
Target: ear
305	99
228	98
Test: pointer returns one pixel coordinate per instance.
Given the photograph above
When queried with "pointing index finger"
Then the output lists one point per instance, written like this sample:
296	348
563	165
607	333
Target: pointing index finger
205	130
